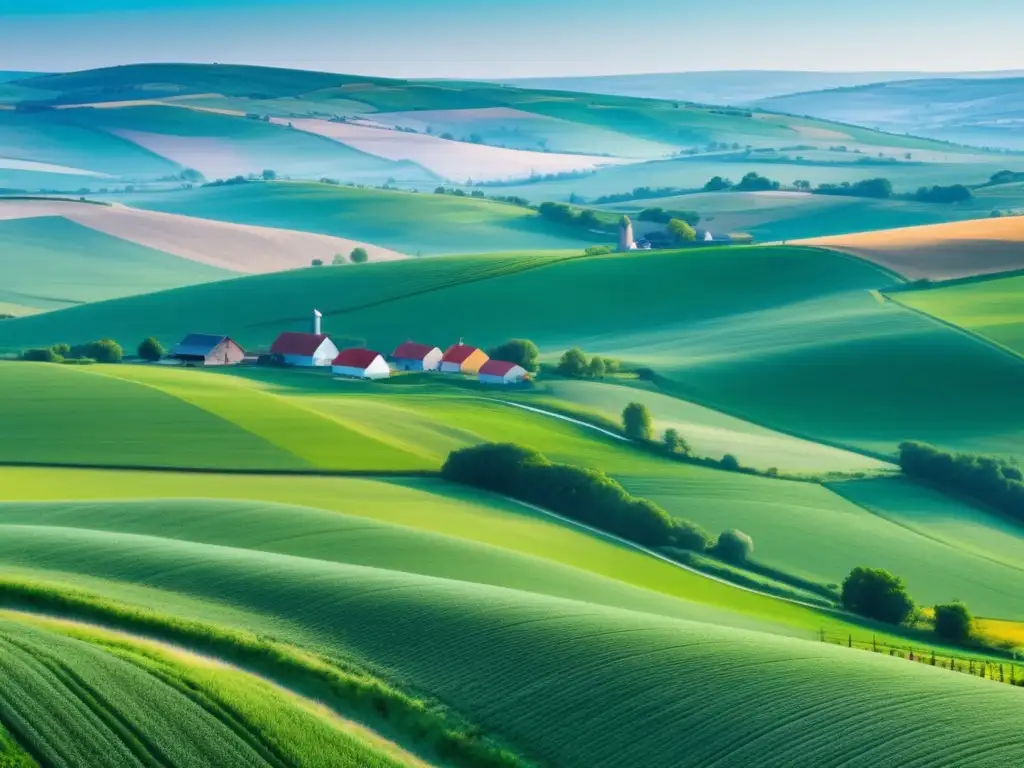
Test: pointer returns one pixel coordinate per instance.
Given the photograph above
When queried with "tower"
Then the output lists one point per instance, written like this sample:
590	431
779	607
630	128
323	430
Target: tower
625	234
316	321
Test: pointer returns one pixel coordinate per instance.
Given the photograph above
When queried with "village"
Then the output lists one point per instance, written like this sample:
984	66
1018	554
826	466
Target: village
315	349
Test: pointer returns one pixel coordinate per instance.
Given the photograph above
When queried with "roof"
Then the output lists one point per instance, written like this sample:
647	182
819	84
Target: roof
497	368
458	353
356	357
410	350
291	343
197	344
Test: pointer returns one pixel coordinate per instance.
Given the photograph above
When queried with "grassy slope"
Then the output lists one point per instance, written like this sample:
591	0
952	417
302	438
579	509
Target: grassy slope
51	263
993	308
125	701
421	223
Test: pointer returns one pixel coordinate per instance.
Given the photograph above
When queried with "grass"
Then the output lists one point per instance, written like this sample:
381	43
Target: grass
52	263
422	223
992	308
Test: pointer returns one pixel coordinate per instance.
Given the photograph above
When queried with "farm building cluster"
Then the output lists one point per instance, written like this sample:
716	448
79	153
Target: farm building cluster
316	350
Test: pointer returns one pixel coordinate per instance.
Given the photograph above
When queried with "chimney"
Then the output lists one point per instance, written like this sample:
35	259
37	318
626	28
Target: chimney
316	321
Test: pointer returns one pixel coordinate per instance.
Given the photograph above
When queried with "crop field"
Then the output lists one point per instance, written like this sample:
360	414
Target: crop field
941	251
138	703
423	224
992	308
52	263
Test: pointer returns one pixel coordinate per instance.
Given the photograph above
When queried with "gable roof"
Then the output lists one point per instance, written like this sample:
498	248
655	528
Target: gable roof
356	357
458	353
410	350
197	344
498	368
292	343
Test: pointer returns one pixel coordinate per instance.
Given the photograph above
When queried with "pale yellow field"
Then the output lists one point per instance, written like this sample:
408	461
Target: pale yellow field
938	251
236	247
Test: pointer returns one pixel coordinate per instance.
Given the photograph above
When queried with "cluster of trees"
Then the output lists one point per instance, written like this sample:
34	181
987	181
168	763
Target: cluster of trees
663	216
574	365
637	424
358	255
639	193
878	594
102	351
561	213
585	495
751	182
1005	177
991	480
479	193
957	193
522	352
875	188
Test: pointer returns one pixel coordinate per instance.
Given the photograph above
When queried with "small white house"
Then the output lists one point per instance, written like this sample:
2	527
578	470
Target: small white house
411	356
306	350
360	363
501	372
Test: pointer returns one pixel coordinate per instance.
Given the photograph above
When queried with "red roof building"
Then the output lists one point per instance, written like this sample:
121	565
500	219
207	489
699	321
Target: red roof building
462	358
304	349
361	364
411	356
501	372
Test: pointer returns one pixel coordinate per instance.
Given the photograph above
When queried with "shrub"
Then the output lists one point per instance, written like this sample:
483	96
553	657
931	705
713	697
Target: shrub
358	256
957	193
755	182
573	363
637	422
687	535
734	546
338	260
730	463
598	250
63	350
317	263
953	622
522	352
269	174
675	443
681	232
270	359
41	355
717	184
151	350
102	351
877	594
77	361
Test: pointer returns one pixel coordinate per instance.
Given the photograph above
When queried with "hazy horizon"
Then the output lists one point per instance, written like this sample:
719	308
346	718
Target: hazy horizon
528	38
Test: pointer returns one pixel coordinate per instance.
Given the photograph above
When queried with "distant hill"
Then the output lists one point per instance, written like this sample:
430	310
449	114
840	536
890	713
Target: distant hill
731	87
980	112
7	77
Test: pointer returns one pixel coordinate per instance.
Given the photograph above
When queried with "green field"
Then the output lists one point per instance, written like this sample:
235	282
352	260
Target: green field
992	308
425	224
52	263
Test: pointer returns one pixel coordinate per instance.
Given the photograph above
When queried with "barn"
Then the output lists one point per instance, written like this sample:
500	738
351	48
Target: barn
462	358
306	350
411	356
501	372
207	349
360	363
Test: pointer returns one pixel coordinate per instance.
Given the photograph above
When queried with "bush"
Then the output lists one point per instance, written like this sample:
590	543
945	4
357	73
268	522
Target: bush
717	184
151	350
734	547
573	363
637	422
875	188
953	622
675	443
269	174
877	594
584	495
598	250
957	193
687	535
681	232
755	182
522	352
63	350
317	263
78	361
102	351
273	360
730	463
41	355
359	256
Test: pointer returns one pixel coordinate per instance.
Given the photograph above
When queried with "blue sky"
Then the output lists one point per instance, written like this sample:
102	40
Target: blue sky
516	38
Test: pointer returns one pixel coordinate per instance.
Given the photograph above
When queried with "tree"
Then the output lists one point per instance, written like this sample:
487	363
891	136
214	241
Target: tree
338	260
953	622
269	174
522	352
734	546
317	262
151	350
675	443
877	594
595	368
802	184
687	535
42	355
105	351
358	256
598	250
681	232
62	350
755	182
729	463
717	184
636	422
573	363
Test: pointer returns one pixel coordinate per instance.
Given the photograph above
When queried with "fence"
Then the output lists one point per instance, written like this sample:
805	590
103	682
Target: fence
1003	672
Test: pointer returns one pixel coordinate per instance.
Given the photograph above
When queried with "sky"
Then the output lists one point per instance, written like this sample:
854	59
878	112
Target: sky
516	38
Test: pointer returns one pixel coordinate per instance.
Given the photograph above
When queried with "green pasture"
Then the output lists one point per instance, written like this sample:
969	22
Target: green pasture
415	223
992	308
51	263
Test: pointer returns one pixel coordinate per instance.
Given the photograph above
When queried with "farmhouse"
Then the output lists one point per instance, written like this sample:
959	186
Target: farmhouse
411	356
207	349
307	350
360	363
462	358
501	372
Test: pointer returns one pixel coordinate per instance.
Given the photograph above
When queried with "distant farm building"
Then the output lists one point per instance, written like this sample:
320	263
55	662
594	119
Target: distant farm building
361	363
462	358
306	350
411	356
626	235
501	372
207	349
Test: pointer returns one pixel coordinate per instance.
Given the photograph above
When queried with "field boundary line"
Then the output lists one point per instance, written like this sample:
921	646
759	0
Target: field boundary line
563	417
355	473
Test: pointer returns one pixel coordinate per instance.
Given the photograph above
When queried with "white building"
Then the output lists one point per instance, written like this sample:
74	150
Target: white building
360	363
306	350
501	372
